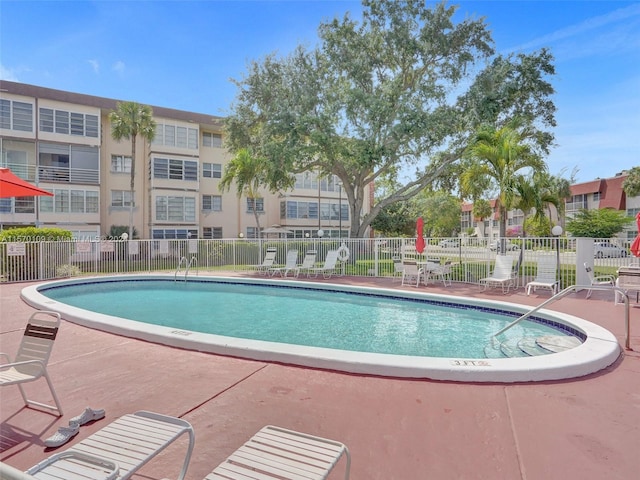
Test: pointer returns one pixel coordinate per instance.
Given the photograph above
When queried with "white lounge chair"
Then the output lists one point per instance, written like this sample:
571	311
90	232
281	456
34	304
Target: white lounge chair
442	272
267	261
30	362
328	268
598	279
411	273
308	262
290	264
546	272
502	275
123	447
278	453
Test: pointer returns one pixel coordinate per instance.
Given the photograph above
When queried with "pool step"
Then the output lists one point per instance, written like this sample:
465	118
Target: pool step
511	349
558	343
532	346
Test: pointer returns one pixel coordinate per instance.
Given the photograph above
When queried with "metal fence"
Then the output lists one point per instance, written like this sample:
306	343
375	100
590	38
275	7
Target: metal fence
470	258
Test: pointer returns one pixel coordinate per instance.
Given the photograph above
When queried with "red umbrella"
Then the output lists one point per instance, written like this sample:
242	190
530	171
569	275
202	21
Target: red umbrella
13	186
635	246
419	237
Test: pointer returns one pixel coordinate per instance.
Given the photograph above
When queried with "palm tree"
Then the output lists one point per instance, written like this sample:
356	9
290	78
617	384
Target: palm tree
501	154
250	174
129	120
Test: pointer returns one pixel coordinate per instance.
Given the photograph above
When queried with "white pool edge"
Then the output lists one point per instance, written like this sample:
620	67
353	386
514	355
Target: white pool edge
600	349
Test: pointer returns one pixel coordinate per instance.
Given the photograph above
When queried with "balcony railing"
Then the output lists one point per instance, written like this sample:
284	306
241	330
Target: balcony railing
68	175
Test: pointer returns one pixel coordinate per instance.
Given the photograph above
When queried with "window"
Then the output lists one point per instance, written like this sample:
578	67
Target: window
211	140
258	202
212	203
62	121
176	136
174	233
46	120
176	209
71	201
18	205
73	123
212	233
596	196
121	198
212	170
175	169
16	115
252	232
120	164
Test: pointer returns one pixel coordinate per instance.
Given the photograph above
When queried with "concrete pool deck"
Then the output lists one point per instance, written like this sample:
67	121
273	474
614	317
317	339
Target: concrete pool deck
587	428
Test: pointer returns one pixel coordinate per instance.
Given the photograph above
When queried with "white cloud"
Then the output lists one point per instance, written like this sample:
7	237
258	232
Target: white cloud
95	66
119	67
8	74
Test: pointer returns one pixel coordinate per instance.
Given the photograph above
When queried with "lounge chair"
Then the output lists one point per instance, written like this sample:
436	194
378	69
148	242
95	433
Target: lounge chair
546	272
308	262
502	275
267	261
290	264
598	279
328	268
33	355
123	446
278	453
411	273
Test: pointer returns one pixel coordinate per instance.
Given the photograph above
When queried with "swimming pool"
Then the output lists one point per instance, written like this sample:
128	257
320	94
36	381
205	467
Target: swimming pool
414	334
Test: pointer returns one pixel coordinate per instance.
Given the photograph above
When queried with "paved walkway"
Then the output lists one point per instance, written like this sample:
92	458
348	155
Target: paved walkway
396	429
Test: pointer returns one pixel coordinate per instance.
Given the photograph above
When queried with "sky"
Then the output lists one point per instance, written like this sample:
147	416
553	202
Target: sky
183	55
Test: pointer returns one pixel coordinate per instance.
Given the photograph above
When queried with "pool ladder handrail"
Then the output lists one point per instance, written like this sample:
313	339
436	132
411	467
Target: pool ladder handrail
571	289
193	261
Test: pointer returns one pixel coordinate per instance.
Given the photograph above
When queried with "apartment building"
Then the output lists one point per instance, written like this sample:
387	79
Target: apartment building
595	194
61	141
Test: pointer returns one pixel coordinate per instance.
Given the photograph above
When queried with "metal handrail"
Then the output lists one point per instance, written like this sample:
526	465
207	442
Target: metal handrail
577	288
175	275
189	266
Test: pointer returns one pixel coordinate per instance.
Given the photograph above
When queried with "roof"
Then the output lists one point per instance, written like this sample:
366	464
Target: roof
612	195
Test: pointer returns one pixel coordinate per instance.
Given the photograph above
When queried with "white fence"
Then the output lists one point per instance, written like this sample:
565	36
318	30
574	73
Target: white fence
471	258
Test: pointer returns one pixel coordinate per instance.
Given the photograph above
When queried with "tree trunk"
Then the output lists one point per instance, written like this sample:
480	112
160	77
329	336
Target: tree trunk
132	186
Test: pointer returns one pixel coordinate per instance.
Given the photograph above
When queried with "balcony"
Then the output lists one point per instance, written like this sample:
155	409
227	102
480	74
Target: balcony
79	176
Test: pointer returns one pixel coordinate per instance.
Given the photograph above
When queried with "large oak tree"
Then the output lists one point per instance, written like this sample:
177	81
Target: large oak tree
393	97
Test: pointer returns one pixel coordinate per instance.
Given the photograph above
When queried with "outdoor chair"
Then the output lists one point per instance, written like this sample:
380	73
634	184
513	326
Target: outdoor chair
33	355
598	279
398	268
267	261
328	268
290	264
502	275
546	272
308	262
118	450
442	272
278	453
411	273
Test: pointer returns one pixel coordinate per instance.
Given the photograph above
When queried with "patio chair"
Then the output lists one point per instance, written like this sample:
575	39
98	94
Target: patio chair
411	273
398	267
33	355
328	268
308	262
436	271
123	447
598	279
290	264
278	453
546	272
502	275
267	261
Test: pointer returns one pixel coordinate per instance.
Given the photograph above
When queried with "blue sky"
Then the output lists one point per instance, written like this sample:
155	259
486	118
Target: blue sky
181	54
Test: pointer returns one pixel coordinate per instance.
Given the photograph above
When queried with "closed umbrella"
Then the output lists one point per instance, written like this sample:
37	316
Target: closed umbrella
635	246
419	237
13	186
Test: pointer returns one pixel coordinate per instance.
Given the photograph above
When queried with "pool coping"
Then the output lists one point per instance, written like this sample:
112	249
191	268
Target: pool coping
599	350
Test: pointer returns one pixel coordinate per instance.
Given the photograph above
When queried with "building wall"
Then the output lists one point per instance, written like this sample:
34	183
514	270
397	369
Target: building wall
87	171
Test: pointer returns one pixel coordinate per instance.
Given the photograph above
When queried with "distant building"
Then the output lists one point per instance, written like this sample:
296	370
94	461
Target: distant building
61	141
595	194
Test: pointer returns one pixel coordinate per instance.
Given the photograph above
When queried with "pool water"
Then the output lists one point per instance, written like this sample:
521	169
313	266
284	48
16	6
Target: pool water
302	316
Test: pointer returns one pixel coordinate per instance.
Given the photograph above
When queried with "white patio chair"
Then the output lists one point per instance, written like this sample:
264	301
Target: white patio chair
290	264
123	446
437	271
546	275
502	275
308	262
398	268
598	279
267	261
411	273
33	355
328	268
